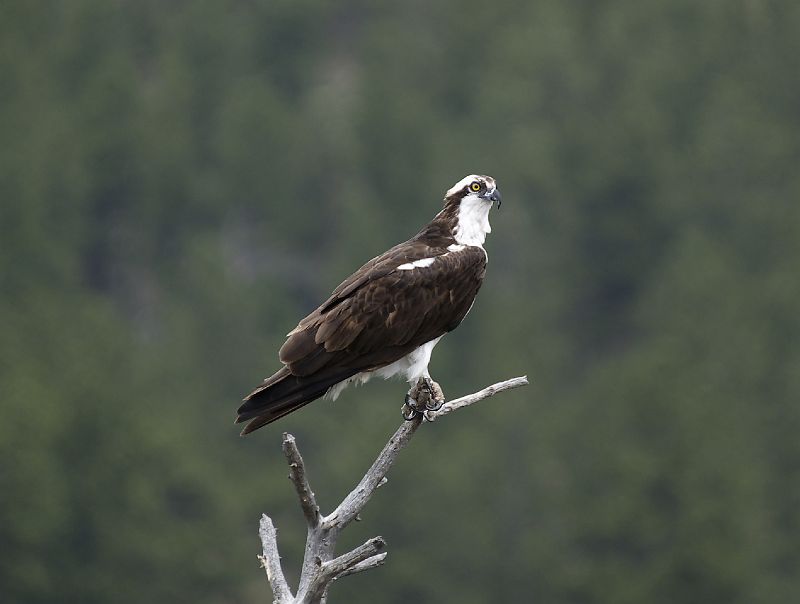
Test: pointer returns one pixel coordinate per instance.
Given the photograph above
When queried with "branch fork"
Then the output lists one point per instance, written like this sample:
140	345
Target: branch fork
320	567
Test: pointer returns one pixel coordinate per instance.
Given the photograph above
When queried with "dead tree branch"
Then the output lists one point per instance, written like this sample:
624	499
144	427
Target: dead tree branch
320	567
271	561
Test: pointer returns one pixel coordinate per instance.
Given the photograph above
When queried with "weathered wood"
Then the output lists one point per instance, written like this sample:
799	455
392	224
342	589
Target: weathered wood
271	561
320	567
297	474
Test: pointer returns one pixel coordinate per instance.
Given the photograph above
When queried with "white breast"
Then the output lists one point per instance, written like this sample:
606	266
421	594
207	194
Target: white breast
473	221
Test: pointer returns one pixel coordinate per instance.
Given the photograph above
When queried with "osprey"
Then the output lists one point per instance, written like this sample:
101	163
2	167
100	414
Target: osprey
385	319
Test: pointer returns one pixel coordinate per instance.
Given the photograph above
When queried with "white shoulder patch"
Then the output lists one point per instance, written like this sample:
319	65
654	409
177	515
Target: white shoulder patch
455	247
421	263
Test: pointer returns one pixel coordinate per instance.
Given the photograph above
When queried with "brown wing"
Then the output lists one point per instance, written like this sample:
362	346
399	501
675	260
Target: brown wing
379	266
382	313
375	317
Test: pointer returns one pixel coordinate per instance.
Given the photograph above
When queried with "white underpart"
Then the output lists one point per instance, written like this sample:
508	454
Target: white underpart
412	367
473	221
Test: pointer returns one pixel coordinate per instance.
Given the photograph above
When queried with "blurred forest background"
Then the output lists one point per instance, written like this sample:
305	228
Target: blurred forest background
181	181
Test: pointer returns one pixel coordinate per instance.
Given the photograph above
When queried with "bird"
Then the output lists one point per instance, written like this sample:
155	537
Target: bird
385	319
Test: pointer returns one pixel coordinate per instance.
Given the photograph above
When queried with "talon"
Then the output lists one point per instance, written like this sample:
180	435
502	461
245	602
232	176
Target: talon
410	409
408	412
425	397
433	404
412	402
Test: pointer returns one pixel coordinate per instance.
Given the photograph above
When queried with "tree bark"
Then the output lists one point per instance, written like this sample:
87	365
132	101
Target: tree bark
320	567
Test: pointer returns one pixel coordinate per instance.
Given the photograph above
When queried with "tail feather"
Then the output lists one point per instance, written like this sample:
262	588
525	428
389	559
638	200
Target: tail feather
283	393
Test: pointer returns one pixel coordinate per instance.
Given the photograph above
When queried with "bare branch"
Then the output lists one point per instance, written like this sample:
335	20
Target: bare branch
271	561
330	570
347	561
369	563
466	401
358	497
320	568
297	474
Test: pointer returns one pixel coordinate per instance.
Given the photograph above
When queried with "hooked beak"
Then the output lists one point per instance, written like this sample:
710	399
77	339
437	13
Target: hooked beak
494	196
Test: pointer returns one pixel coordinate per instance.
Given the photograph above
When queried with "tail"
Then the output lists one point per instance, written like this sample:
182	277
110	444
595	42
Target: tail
283	393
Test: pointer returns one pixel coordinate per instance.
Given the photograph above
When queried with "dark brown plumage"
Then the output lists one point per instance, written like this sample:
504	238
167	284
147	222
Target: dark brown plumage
380	314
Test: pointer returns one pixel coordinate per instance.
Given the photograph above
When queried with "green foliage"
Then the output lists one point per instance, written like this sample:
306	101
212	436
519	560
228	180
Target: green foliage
180	181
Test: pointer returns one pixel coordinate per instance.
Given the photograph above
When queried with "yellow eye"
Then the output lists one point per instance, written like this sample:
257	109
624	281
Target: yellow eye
475	187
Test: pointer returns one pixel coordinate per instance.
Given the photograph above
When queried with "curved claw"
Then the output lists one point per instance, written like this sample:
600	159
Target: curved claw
427	399
408	412
433	404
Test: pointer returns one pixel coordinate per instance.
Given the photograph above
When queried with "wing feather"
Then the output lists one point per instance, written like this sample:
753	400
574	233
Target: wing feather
381	313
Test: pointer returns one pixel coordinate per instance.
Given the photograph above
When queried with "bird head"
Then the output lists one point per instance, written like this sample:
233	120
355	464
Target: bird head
469	202
475	188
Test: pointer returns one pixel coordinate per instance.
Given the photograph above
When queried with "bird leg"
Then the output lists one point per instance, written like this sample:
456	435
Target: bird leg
425	397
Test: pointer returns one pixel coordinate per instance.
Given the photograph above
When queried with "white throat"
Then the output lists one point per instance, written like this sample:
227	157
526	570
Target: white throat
473	221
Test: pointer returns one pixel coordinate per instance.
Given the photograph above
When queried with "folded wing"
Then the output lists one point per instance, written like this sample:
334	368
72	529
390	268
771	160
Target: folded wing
388	308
